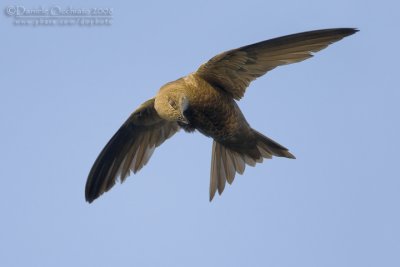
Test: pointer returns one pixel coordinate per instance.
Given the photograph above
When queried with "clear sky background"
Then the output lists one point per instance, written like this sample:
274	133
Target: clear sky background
65	91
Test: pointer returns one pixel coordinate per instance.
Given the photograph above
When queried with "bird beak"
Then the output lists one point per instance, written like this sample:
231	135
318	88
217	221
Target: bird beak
183	119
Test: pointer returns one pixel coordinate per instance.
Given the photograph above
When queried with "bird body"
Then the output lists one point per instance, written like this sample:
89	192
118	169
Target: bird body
205	100
209	110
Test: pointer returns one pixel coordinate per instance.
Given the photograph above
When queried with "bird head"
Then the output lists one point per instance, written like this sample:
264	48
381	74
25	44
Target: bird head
171	106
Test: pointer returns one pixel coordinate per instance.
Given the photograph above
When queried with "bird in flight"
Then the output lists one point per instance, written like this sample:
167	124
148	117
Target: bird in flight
205	100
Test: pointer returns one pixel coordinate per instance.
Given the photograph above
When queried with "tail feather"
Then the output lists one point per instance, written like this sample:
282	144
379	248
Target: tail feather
224	165
226	162
265	144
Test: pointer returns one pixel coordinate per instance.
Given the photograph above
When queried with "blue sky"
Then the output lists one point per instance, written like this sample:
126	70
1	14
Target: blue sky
66	90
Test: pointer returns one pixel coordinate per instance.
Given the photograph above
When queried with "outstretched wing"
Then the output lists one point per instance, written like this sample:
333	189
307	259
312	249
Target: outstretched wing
129	149
233	70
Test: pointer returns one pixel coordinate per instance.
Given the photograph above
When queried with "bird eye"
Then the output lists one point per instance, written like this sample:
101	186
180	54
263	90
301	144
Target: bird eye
172	103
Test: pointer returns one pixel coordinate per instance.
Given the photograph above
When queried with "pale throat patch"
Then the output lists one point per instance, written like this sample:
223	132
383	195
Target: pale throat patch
185	103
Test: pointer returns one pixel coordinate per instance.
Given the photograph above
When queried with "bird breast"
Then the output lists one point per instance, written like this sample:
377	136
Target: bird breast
211	111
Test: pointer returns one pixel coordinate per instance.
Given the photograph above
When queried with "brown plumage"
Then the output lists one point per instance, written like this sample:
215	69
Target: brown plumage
205	101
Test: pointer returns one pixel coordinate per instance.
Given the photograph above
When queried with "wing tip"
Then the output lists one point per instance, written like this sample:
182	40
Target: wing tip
348	31
89	200
289	155
90	196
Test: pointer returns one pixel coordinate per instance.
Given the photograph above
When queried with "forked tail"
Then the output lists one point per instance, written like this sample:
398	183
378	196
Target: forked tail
226	162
